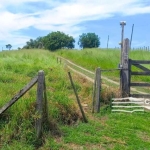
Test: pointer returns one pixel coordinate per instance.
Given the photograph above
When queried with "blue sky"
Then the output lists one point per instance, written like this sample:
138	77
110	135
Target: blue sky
25	19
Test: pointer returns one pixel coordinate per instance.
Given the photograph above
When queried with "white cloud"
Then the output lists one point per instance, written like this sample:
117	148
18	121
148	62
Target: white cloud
63	16
67	16
137	10
10	2
12	22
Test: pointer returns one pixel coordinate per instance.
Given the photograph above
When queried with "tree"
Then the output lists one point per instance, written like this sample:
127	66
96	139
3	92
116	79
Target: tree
38	43
58	40
9	46
30	44
89	40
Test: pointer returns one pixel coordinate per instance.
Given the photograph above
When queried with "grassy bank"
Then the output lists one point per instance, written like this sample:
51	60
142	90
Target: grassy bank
17	69
67	131
93	58
107	59
103	58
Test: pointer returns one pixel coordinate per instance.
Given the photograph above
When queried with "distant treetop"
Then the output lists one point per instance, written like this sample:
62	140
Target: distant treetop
9	46
58	40
89	40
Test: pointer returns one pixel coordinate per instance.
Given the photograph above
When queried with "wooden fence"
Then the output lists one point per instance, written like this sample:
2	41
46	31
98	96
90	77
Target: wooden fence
41	101
89	75
95	78
144	72
125	75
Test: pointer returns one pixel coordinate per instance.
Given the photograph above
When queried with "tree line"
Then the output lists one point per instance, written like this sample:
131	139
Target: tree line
59	40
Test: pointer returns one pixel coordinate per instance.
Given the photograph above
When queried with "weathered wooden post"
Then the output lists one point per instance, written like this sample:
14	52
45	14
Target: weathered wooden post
78	100
94	93
97	89
45	107
39	104
122	23
125	69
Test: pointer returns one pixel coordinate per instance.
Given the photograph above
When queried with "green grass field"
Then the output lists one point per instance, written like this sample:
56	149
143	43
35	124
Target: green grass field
104	131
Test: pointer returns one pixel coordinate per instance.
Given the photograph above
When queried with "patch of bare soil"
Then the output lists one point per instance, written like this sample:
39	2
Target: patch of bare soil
143	136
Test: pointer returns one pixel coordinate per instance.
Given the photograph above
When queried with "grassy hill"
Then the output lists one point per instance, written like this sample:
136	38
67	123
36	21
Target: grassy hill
67	131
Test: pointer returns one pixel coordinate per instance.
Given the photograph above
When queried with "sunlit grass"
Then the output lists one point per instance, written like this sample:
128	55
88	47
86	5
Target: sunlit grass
17	124
105	130
106	59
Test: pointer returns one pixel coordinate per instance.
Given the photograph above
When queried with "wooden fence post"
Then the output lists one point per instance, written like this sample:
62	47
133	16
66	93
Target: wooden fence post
58	60
97	89
45	107
78	100
94	93
39	104
125	69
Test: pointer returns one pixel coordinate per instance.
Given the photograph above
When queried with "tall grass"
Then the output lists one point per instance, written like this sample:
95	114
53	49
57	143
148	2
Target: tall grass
103	131
106	59
103	58
17	68
93	58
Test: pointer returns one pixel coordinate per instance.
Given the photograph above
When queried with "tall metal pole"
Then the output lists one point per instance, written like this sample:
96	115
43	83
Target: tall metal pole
107	41
122	23
131	35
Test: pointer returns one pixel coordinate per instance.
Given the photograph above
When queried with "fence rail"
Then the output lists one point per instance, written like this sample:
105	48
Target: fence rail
19	95
41	102
128	104
143	72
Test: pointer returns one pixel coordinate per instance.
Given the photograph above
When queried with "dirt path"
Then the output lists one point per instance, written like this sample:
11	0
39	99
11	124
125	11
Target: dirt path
68	63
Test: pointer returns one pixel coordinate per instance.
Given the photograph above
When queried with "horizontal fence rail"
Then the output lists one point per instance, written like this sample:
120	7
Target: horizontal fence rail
144	71
19	95
128	104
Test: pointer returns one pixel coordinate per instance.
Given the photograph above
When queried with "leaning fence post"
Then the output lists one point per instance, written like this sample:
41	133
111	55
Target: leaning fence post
78	100
39	104
125	69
